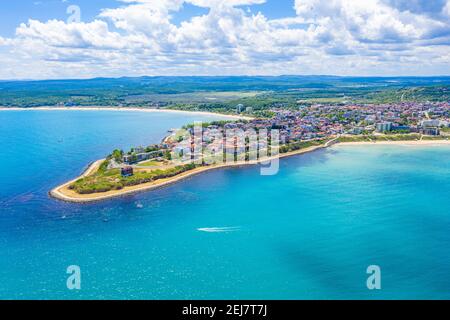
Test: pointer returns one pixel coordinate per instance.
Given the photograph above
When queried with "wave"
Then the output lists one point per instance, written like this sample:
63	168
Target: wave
222	229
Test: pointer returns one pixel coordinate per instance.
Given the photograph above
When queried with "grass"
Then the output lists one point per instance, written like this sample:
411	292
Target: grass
386	137
434	138
105	180
294	146
194	97
151	163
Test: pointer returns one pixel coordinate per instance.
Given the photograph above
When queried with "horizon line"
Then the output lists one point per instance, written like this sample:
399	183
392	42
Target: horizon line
226	76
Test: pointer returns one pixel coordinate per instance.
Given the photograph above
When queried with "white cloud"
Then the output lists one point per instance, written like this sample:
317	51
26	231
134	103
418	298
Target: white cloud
369	20
73	35
446	9
326	36
221	3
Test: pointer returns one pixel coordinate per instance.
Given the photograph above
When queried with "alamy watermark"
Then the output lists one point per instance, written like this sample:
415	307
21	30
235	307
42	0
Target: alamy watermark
226	145
74	13
74	280
374	280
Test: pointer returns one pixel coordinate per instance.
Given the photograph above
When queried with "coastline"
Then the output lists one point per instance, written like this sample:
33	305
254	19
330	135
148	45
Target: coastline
63	192
398	143
125	109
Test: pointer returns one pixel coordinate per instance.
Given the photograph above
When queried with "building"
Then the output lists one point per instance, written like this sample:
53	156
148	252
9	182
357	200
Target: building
370	119
431	131
126	171
139	150
129	158
356	130
384	126
133	158
402	128
431	123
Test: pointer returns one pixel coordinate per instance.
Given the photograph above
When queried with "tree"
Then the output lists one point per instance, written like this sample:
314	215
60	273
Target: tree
117	155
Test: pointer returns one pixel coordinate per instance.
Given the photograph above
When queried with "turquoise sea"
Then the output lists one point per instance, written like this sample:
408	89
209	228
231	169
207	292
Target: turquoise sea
308	232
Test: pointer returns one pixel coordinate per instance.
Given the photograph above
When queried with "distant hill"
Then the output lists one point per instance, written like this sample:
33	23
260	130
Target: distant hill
221	92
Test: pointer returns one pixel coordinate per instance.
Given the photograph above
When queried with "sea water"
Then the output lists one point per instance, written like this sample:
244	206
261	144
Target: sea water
308	232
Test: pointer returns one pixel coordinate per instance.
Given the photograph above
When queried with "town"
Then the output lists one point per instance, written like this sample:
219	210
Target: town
308	123
203	146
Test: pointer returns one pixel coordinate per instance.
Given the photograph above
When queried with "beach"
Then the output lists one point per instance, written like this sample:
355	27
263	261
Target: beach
63	192
125	109
402	143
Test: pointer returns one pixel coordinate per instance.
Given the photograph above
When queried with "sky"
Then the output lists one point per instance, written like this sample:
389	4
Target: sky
56	39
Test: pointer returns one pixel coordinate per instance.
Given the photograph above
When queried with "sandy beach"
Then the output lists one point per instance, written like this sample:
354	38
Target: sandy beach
125	109
399	143
64	193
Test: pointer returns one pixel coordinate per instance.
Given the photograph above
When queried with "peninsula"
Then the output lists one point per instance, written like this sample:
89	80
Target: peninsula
194	149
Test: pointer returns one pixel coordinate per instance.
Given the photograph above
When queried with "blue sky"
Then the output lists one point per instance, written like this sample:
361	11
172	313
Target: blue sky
12	13
224	37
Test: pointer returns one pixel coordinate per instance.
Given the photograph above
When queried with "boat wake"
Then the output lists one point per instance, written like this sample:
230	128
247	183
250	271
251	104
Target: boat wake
139	205
217	230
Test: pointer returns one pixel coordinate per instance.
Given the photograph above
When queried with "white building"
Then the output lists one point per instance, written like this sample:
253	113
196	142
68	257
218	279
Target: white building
384	126
431	123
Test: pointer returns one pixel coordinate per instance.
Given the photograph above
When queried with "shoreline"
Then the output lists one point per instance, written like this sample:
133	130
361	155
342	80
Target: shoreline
125	109
398	143
63	193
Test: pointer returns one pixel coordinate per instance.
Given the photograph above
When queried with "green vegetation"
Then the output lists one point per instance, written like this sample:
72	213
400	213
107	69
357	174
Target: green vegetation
301	145
375	138
434	138
433	93
219	123
223	94
151	163
103	167
107	180
117	155
111	179
153	148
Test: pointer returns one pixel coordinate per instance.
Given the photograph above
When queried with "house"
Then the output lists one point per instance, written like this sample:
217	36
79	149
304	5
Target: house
126	171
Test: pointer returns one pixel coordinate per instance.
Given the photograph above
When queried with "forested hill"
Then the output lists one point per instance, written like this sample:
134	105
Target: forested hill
221	93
